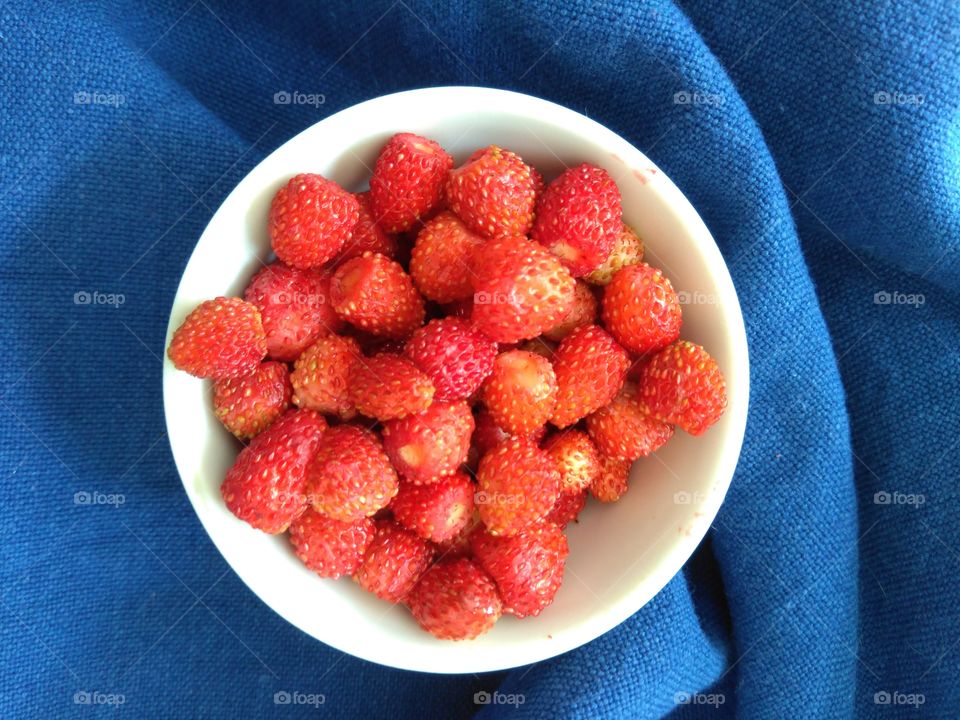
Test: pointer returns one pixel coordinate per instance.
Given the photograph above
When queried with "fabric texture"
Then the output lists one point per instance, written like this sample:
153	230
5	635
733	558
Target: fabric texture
818	140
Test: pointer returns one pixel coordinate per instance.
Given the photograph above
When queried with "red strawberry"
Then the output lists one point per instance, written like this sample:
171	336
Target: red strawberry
265	487
455	600
350	477
518	484
521	392
494	193
527	567
567	509
387	386
620	430
310	220
222	338
682	384
408	180
579	218
329	547
321	374
590	368
246	406
611	483
438	511
577	460
367	235
520	289
488	434
374	293
641	309
440	260
295	307
459	545
453	354
432	444
582	312
394	562
628	250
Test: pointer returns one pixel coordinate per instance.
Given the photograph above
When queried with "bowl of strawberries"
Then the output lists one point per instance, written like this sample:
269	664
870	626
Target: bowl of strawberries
456	380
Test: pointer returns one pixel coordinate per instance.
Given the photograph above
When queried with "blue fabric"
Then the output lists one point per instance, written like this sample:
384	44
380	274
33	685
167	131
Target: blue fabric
819	140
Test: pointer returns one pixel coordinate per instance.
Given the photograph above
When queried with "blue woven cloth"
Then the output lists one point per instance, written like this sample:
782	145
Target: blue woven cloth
819	142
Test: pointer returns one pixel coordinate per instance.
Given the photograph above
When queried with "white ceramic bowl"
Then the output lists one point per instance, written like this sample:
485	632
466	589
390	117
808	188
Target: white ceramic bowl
621	555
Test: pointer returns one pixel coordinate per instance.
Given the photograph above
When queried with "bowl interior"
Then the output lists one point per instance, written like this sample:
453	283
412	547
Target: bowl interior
620	554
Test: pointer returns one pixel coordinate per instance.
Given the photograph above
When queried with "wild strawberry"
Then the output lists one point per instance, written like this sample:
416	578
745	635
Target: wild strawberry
567	508
620	430
295	307
440	260
374	293
220	339
577	460
627	250
583	311
579	218
590	368
517	485
455	600
641	309
521	392
611	482
394	562
310	220
527	567
520	289
265	487
350	477
438	511
367	235
320	376
453	354
430	445
329	547
408	180
494	193
459	545
683	385
248	405
387	386
488	434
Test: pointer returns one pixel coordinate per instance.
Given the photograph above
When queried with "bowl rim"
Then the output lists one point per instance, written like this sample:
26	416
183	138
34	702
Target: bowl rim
669	563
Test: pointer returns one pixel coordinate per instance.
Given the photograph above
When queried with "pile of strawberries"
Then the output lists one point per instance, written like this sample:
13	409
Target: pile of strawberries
468	354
